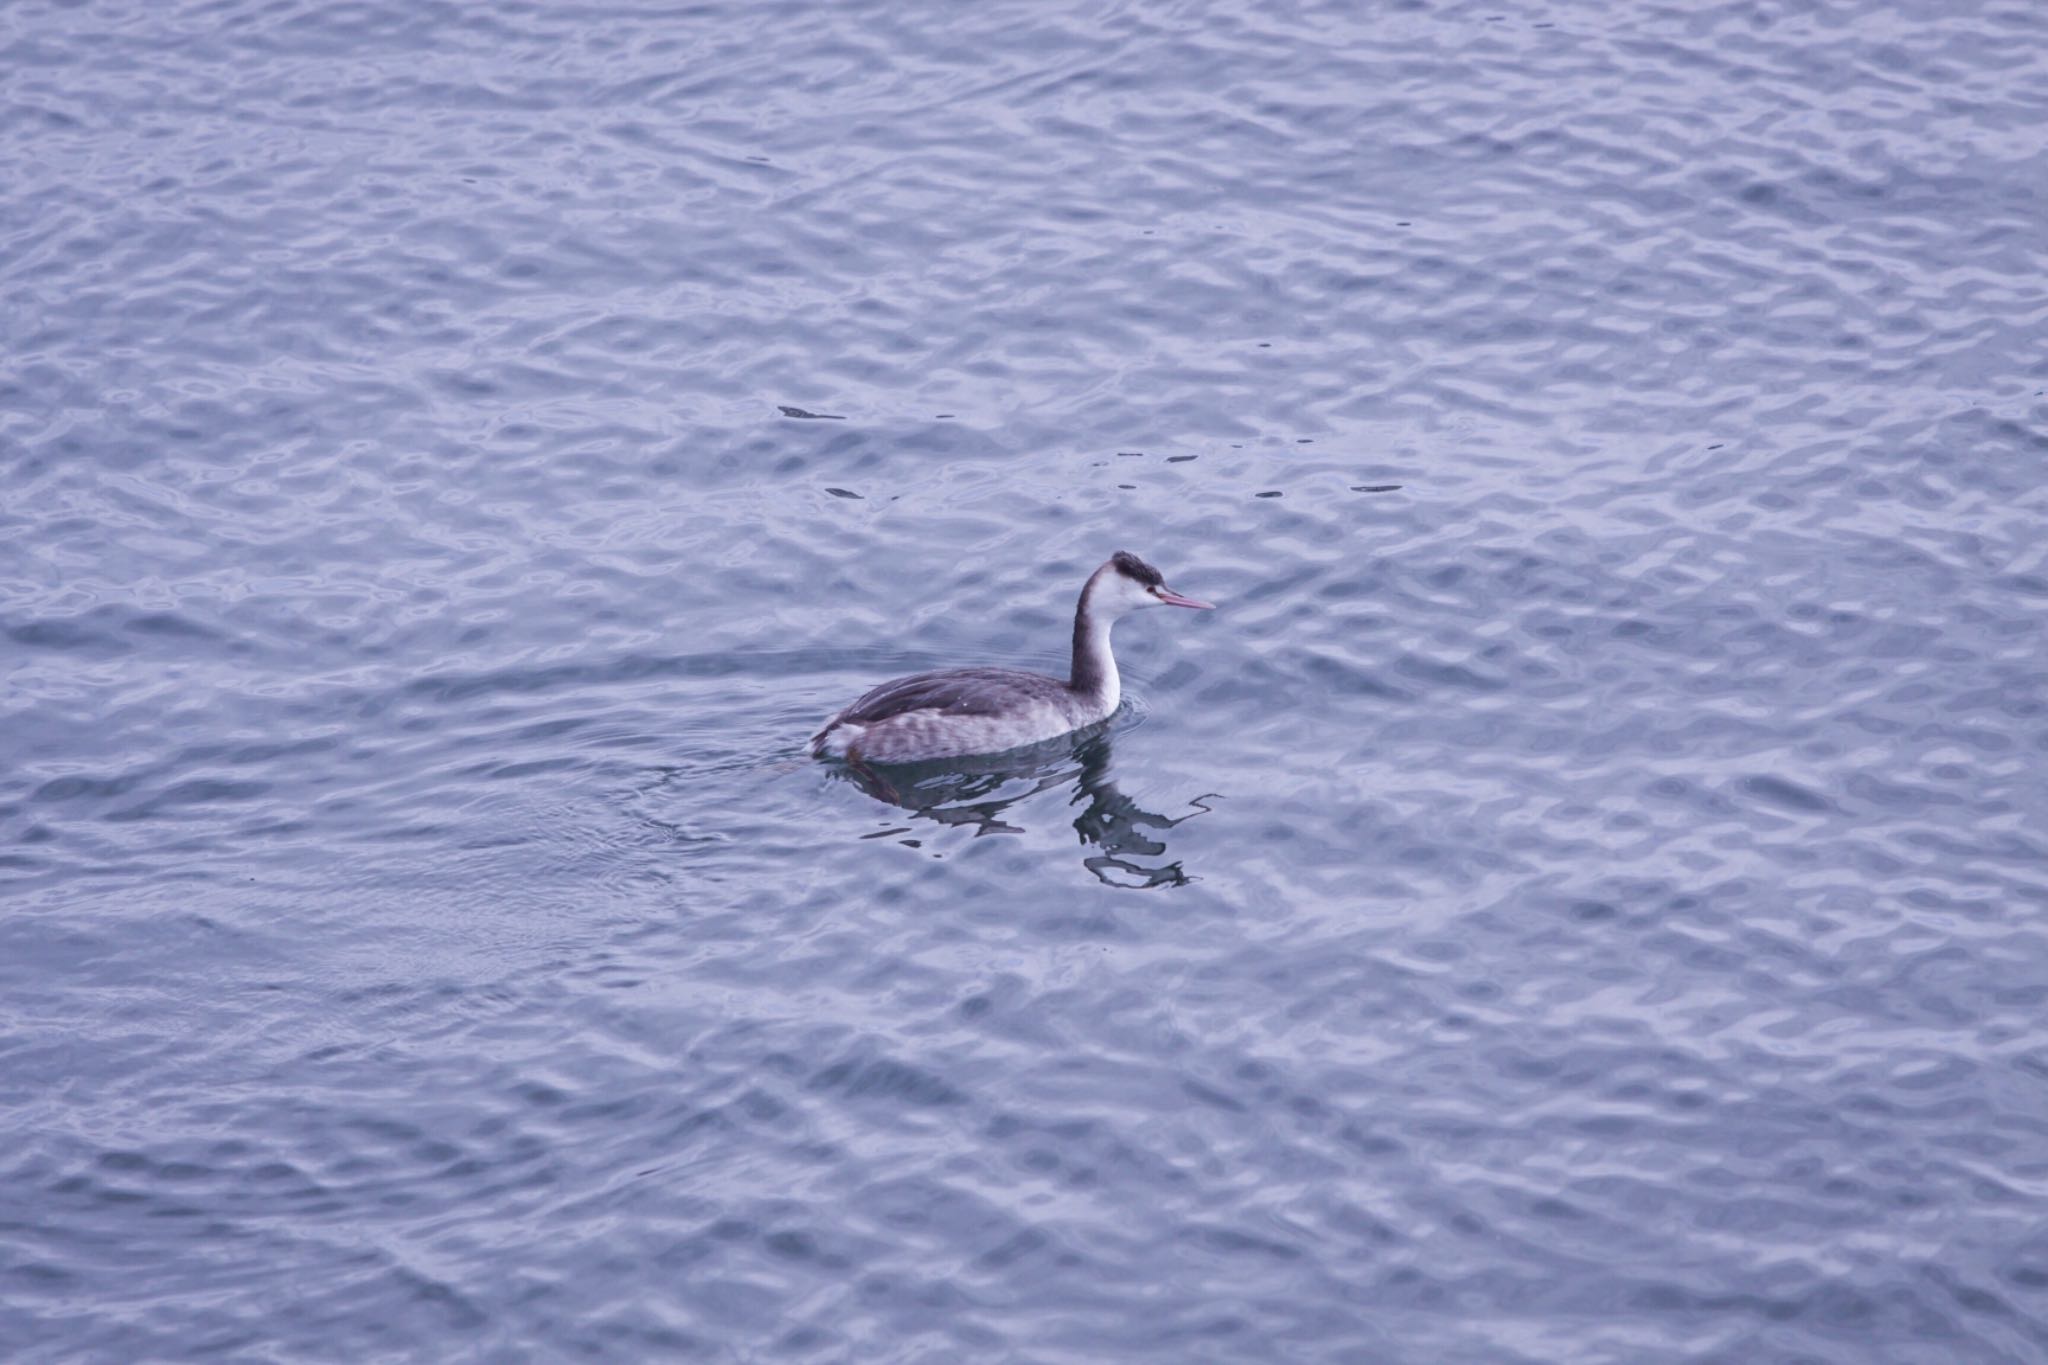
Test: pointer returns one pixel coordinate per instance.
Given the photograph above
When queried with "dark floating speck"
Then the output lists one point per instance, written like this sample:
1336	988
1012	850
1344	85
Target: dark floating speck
1374	487
944	416
1265	345
1181	459
788	411
1269	493
1404	223
1130	454
1713	447
1127	485
1777	791
842	493
885	833
1304	440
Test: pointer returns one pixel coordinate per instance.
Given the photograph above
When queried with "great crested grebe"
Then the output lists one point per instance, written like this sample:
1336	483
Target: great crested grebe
961	711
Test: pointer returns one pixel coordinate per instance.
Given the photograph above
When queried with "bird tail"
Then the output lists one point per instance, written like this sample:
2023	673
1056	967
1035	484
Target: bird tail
833	741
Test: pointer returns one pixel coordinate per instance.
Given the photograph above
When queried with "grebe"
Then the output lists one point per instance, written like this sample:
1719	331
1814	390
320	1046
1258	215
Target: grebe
961	711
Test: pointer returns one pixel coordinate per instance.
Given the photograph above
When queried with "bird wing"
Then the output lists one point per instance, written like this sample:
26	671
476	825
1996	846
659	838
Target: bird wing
956	691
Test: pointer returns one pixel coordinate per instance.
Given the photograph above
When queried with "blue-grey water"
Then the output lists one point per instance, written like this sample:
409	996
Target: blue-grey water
1582	898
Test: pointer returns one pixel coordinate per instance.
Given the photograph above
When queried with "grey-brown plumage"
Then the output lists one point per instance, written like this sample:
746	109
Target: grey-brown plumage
960	711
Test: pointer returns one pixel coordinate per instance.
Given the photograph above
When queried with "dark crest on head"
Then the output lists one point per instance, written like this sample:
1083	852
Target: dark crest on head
1130	566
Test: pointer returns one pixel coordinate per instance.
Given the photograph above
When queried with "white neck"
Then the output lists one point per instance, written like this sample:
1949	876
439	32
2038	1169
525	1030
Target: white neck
1093	641
1094	675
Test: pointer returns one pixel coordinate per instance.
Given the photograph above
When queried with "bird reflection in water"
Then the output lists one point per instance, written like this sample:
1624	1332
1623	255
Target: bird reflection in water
977	793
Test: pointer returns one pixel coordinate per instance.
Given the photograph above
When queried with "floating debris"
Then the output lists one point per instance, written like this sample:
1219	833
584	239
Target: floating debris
845	493
788	411
1181	459
1269	493
1374	487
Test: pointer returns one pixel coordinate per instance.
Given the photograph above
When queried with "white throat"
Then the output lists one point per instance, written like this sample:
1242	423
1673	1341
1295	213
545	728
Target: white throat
1106	596
1109	687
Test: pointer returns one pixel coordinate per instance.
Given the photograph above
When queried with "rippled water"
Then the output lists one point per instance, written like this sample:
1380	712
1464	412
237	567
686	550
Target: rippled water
1584	902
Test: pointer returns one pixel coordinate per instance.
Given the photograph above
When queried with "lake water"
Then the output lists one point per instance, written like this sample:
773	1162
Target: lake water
1583	897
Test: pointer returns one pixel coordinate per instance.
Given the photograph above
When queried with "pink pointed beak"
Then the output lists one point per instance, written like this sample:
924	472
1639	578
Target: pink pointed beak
1174	599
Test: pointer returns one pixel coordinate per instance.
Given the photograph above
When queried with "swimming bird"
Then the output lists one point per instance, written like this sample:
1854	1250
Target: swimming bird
961	711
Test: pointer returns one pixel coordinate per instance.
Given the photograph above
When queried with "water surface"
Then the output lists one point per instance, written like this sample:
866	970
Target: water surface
1580	899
